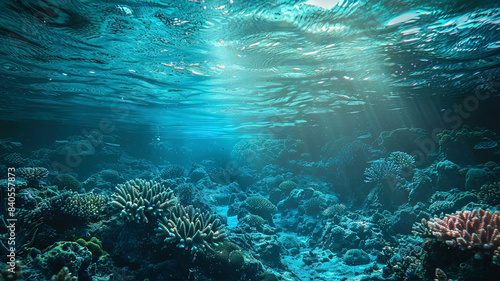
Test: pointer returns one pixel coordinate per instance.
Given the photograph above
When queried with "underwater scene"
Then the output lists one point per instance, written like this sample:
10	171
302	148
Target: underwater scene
291	140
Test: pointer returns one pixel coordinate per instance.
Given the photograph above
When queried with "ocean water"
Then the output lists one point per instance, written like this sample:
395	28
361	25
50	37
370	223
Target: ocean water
250	140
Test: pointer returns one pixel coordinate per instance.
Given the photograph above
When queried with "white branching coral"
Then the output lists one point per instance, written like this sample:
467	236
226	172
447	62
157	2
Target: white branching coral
191	229
139	199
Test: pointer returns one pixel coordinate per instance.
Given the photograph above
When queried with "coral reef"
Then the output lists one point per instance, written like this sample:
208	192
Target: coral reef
139	199
191	229
472	230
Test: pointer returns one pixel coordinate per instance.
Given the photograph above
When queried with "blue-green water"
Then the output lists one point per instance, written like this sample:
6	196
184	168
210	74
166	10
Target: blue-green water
215	69
380	113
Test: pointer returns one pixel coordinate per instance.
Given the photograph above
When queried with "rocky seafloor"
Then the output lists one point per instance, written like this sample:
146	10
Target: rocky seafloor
403	205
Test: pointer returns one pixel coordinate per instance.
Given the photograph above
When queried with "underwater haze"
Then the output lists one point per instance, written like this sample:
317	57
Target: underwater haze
250	140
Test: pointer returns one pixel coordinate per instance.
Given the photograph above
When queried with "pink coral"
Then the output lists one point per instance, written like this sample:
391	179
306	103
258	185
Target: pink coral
472	230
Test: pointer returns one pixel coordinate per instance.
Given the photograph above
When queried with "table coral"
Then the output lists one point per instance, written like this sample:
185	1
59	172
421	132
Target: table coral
32	174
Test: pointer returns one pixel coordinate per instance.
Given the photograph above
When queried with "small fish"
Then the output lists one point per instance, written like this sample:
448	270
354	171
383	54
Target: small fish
112	144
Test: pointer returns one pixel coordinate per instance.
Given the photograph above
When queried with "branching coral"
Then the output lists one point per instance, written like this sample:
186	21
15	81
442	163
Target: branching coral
191	229
139	199
472	230
397	166
381	171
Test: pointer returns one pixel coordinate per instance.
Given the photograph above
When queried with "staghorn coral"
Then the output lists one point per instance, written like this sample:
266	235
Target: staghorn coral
139	199
32	174
191	229
471	230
